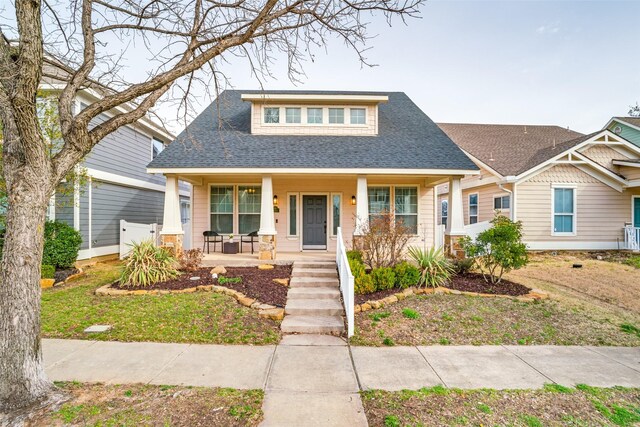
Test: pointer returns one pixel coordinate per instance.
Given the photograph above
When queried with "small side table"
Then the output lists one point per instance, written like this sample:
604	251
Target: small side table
230	247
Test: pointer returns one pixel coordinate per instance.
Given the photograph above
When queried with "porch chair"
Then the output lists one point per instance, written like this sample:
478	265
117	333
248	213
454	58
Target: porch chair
249	238
211	236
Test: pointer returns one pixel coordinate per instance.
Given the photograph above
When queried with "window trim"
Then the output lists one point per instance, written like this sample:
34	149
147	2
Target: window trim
304	121
365	116
344	121
297	235
264	115
501	196
286	117
477	205
236	208
574	224
392	201
306	116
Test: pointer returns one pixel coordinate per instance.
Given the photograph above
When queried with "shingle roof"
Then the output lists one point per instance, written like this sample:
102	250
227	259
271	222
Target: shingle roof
512	149
406	139
635	121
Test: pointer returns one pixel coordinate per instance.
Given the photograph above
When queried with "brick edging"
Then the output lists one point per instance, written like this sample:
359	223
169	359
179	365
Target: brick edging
534	294
267	311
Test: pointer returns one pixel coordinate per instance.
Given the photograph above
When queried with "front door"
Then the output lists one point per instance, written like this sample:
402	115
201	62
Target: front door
314	222
636	211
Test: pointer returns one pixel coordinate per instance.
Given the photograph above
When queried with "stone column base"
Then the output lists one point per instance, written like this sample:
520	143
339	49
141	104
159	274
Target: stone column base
172	243
267	245
452	246
357	242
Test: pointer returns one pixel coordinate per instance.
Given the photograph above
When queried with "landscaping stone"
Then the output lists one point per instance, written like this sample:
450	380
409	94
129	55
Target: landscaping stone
400	296
365	306
218	269
375	304
194	278
246	301
357	309
266	267
97	329
272	313
283	282
205	287
390	300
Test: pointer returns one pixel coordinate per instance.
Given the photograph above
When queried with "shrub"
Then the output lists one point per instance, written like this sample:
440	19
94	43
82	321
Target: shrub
462	266
497	250
61	244
354	255
384	241
435	268
224	280
47	271
383	278
410	314
147	264
190	260
406	275
363	283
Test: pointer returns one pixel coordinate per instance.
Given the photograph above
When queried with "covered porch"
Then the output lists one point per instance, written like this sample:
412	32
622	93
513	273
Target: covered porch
296	215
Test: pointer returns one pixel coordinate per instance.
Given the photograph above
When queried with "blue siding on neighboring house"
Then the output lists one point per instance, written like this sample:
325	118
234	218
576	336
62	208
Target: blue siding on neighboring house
84	216
125	152
64	208
627	132
111	203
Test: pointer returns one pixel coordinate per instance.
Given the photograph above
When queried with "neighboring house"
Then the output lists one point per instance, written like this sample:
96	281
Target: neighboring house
119	187
571	191
297	165
626	127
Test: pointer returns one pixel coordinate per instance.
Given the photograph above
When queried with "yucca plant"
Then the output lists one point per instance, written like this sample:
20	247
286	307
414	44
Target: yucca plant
435	268
147	264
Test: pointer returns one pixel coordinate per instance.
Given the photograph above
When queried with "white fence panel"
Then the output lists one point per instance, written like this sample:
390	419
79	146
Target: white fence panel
133	232
439	240
472	230
632	238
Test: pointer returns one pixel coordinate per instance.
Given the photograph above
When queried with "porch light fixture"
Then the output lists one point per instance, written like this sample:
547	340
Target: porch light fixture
275	200
353	200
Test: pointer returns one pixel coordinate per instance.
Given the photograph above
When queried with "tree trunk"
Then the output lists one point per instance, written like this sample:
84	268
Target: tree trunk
23	380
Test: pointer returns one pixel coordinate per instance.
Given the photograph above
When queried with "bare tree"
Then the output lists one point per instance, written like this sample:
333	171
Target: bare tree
634	110
186	42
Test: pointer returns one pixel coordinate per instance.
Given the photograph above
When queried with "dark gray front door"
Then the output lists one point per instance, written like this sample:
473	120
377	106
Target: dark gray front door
314	222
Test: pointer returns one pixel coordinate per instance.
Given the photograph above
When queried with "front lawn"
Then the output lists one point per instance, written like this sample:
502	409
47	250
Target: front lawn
555	405
201	317
459	319
132	405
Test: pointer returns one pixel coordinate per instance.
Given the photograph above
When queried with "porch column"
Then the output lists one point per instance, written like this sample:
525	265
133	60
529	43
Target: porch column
267	232
455	218
362	206
172	233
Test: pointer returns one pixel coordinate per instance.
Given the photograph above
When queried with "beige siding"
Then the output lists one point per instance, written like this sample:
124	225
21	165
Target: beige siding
486	195
630	172
604	156
601	211
283	186
258	126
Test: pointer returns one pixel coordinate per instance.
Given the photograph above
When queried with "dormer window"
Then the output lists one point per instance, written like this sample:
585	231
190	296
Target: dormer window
336	115
294	115
357	116
272	115
314	116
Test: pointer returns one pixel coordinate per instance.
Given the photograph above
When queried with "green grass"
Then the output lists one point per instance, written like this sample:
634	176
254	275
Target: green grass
225	280
633	261
554	405
200	317
376	317
388	342
630	329
410	314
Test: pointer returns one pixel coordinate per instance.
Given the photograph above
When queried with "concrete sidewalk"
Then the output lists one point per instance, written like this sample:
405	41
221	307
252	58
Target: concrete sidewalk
317	379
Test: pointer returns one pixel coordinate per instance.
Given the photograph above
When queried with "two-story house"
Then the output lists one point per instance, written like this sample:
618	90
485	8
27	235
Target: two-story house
295	166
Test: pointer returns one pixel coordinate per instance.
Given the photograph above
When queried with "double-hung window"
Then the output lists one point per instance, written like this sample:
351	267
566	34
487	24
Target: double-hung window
564	210
336	115
379	201
249	200
444	210
293	115
473	208
272	115
314	116
406	207
502	203
222	209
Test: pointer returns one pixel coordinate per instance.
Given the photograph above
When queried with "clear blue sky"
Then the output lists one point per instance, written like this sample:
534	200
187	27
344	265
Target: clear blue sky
570	63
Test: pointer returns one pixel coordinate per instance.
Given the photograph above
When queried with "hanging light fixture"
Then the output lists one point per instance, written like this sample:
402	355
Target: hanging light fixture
275	200
353	200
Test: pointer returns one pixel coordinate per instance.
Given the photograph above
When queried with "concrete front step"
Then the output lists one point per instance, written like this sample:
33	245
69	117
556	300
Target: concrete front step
314	264
314	272
314	307
313	282
299	324
313	293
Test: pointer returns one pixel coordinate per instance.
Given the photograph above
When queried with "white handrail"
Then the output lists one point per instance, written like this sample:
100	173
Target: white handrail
632	238
346	282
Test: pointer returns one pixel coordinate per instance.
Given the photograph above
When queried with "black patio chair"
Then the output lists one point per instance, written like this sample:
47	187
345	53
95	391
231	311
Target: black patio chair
249	238
211	236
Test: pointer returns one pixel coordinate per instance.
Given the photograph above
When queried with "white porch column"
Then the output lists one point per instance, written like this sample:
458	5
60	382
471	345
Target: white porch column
267	232
172	233
455	217
362	206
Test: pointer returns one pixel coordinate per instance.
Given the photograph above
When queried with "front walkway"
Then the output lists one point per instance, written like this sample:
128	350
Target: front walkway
315	380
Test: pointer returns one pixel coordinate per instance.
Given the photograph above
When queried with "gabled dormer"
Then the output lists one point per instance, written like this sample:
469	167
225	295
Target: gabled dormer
314	114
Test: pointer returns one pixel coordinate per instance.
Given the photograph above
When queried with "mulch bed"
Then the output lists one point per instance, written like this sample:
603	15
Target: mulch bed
255	283
61	275
259	284
473	282
470	282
